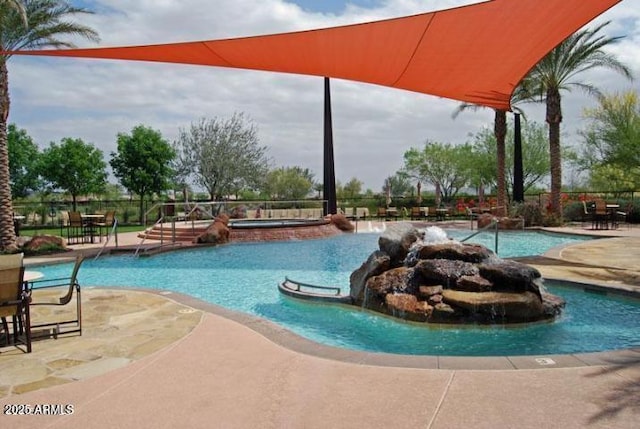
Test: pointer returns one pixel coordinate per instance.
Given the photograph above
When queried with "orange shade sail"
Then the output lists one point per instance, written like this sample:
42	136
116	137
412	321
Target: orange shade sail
475	54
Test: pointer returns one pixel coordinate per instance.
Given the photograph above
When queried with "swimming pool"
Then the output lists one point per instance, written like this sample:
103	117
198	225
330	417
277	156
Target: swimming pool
244	277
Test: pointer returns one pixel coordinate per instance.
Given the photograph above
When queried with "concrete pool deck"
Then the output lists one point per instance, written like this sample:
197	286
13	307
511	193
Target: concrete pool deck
151	359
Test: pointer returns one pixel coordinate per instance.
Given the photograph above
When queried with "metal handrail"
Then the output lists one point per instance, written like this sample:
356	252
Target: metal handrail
114	233
494	223
298	284
146	234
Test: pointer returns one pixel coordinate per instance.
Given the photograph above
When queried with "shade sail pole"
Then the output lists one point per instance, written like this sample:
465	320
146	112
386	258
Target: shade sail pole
518	173
329	183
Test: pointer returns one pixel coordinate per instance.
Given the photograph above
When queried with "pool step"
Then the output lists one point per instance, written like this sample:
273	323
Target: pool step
182	234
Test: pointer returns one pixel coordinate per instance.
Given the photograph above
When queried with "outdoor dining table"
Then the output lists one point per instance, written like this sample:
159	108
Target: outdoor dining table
441	214
90	221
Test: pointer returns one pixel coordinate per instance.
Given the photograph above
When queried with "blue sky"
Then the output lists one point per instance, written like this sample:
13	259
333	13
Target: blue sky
373	126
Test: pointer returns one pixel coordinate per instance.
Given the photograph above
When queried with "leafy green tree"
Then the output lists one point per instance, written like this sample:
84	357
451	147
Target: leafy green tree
535	156
222	156
143	162
47	21
289	183
23	162
318	188
350	190
400	185
558	71
440	164
75	167
611	149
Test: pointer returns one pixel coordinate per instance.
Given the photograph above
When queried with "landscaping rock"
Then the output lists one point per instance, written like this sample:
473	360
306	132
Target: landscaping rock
449	282
342	223
44	244
217	232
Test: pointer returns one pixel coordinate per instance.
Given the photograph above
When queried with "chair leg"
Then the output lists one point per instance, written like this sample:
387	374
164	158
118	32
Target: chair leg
27	327
5	328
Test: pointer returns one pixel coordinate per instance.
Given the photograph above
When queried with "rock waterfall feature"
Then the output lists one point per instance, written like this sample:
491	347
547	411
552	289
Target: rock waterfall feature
426	277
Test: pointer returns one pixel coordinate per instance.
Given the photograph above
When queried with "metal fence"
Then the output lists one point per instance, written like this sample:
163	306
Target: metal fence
48	213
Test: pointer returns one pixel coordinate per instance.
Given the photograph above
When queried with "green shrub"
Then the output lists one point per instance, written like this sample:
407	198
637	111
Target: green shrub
530	212
573	211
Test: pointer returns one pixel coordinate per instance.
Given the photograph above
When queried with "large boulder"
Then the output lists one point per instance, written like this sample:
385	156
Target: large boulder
511	276
475	283
43	244
397	240
407	307
456	251
217	232
504	223
443	271
377	263
392	281
494	306
342	223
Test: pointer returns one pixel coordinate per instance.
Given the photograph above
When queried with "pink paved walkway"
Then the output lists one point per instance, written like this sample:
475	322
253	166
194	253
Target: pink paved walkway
224	375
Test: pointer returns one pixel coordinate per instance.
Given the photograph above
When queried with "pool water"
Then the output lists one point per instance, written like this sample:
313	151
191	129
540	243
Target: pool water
244	277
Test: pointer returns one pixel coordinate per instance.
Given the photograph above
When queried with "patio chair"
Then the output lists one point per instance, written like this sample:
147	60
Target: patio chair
64	221
586	212
107	224
71	283
392	213
14	303
621	216
417	213
75	230
600	215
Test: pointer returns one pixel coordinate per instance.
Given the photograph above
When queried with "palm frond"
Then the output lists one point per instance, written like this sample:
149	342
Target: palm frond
48	23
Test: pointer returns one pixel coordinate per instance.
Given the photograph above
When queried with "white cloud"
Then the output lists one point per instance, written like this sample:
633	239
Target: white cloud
373	126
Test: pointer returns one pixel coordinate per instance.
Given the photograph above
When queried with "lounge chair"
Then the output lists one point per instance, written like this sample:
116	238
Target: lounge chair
14	300
71	283
362	213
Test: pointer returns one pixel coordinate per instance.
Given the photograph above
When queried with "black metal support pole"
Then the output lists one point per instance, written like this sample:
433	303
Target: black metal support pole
518	175
329	168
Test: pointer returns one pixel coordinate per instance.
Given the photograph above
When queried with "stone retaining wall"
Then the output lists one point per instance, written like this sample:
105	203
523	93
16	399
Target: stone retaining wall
284	233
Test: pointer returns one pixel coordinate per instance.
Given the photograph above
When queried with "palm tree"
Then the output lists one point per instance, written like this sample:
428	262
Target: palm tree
17	6
46	22
500	132
556	72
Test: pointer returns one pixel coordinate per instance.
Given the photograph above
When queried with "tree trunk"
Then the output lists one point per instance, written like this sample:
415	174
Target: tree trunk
554	118
7	230
500	131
